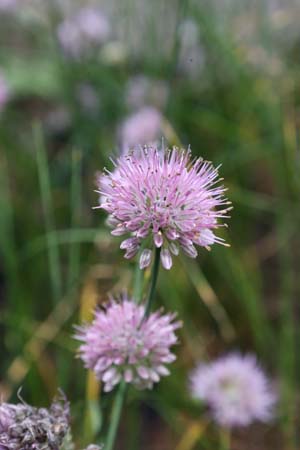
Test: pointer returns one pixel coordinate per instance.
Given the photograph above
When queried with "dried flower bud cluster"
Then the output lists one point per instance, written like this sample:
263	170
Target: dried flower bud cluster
28	428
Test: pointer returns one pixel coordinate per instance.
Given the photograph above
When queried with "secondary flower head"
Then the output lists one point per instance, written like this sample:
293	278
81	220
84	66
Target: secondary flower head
165	199
86	30
4	92
121	343
25	427
236	390
8	5
141	127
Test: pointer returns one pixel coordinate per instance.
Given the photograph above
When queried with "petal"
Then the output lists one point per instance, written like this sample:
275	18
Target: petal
145	258
143	372
174	248
119	230
162	370
166	259
129	243
206	237
190	250
128	376
158	239
171	234
109	375
131	252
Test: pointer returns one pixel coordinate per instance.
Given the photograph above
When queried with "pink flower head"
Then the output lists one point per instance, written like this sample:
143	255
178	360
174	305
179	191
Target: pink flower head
142	127
121	343
236	390
4	92
85	30
8	5
165	199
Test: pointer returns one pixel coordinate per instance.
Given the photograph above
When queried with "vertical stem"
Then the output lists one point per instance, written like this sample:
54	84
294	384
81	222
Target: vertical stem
46	196
115	417
120	395
225	438
154	275
138	284
75	201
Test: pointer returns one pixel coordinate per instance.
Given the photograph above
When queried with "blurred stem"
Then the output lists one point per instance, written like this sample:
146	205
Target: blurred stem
225	439
74	249
154	275
44	179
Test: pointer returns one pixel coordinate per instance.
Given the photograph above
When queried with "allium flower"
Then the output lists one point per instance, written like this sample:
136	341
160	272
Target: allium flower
4	92
141	91
163	198
28	428
236	390
87	29
122	344
142	127
8	5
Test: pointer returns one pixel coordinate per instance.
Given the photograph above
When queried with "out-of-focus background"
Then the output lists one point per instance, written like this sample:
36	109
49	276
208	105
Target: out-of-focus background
81	82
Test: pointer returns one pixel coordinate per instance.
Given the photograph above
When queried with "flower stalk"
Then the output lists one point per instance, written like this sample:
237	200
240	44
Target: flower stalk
116	415
120	396
153	282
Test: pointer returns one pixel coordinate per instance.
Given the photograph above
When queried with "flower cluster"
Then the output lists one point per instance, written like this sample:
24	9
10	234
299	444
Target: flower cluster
28	428
79	34
4	92
165	199
122	344
236	390
141	127
8	5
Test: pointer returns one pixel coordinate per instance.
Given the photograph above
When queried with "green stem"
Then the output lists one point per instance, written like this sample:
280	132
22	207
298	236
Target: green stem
115	416
225	439
154	275
138	284
119	399
47	203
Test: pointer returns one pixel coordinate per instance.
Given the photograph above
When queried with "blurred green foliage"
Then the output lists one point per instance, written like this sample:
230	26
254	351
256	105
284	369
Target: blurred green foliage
231	73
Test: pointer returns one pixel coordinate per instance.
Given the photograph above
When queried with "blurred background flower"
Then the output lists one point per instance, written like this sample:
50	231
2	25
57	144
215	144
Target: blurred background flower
236	390
141	128
4	92
82	32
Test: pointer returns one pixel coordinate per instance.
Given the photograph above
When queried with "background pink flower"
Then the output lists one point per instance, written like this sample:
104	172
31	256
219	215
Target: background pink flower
140	128
87	29
236	390
4	92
